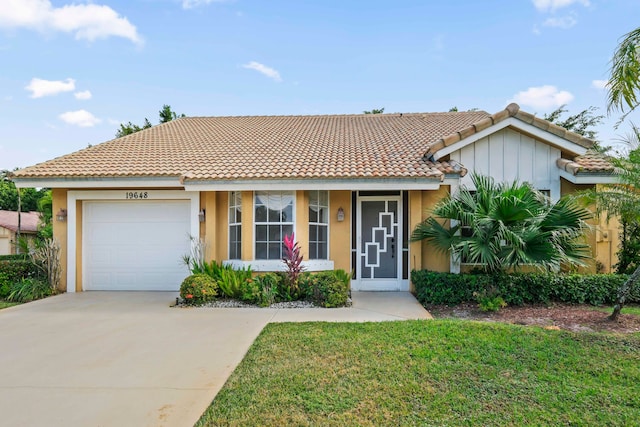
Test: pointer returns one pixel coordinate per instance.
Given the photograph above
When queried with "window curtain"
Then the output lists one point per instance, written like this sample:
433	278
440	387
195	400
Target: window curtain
274	200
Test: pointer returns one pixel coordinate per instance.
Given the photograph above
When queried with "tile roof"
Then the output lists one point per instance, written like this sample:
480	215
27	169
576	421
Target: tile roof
594	163
28	221
512	110
290	147
270	147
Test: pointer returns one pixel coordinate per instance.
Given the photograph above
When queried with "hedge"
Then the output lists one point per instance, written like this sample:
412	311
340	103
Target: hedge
14	257
519	288
12	272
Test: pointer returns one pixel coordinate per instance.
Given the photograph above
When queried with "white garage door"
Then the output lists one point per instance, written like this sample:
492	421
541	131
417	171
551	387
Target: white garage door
135	245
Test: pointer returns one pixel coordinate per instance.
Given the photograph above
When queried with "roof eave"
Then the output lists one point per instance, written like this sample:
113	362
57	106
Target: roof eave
590	177
97	182
381	183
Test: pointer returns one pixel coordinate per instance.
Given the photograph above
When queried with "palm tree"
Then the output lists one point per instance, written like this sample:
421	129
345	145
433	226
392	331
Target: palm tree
506	225
624	82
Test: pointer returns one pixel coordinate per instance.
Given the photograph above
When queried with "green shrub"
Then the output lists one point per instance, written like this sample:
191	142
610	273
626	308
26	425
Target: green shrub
5	285
198	289
232	280
14	257
250	291
287	292
518	288
29	289
489	303
16	270
326	289
269	284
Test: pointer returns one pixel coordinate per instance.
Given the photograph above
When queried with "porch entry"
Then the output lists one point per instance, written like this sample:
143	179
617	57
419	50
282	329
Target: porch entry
379	248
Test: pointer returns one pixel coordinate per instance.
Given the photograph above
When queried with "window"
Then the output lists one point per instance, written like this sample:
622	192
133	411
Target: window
274	220
318	224
235	225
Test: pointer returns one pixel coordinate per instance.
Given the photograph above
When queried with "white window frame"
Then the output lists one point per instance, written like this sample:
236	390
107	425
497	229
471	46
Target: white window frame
292	222
319	224
233	223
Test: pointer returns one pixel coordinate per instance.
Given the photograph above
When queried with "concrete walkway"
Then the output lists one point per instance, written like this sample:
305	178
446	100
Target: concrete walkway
127	359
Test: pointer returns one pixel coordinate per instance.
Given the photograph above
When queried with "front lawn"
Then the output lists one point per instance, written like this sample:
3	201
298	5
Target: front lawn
5	304
627	309
438	372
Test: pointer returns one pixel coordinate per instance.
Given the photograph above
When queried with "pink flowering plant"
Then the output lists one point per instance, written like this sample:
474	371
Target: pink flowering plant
293	261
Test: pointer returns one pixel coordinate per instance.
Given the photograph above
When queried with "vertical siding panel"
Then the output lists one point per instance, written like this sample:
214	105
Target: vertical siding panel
511	155
496	155
526	159
541	164
467	159
482	156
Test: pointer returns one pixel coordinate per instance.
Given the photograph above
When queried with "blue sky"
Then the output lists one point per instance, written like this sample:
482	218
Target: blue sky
71	70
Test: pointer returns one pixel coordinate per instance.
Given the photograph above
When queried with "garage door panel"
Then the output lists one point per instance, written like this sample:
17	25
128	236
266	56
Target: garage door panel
135	245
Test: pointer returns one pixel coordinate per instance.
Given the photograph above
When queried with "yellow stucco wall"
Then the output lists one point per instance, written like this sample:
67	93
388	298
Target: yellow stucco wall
59	200
604	239
247	225
432	259
340	231
302	224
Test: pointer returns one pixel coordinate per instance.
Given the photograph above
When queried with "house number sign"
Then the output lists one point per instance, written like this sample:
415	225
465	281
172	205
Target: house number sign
136	195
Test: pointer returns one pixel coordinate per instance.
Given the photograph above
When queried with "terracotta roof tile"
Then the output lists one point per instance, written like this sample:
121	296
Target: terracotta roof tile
270	147
589	163
512	110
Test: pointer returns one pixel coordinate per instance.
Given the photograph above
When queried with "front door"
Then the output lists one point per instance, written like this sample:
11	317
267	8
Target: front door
379	244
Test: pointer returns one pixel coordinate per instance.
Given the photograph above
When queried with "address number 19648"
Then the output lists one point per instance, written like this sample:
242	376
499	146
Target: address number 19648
136	195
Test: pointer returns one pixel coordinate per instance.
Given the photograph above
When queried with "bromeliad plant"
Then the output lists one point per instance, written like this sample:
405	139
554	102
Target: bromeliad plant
293	261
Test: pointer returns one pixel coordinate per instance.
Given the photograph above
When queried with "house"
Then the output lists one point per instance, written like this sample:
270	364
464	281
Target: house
9	229
351	187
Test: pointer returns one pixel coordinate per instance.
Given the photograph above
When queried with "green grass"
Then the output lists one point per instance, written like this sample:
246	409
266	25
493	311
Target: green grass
5	304
627	309
439	372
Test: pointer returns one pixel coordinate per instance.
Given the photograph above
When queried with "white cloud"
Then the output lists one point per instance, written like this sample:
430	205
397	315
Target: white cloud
190	4
599	84
86	21
261	68
543	97
564	22
40	87
81	118
83	95
552	5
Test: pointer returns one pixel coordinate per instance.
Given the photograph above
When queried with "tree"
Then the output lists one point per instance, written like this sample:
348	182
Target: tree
9	195
375	111
623	88
582	123
129	128
624	80
623	201
165	115
502	226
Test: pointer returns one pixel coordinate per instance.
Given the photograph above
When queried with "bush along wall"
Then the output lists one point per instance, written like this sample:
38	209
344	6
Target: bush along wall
518	288
15	271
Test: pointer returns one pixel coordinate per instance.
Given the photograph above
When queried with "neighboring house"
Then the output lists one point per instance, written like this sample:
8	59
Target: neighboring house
351	187
9	229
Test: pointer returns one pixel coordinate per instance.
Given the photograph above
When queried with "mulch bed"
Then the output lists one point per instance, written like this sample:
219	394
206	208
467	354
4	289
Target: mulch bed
575	318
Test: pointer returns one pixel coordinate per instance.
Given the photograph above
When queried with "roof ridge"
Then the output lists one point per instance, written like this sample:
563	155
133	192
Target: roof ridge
399	113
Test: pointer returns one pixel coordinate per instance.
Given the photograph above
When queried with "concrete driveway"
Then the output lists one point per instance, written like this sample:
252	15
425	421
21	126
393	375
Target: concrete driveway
127	359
